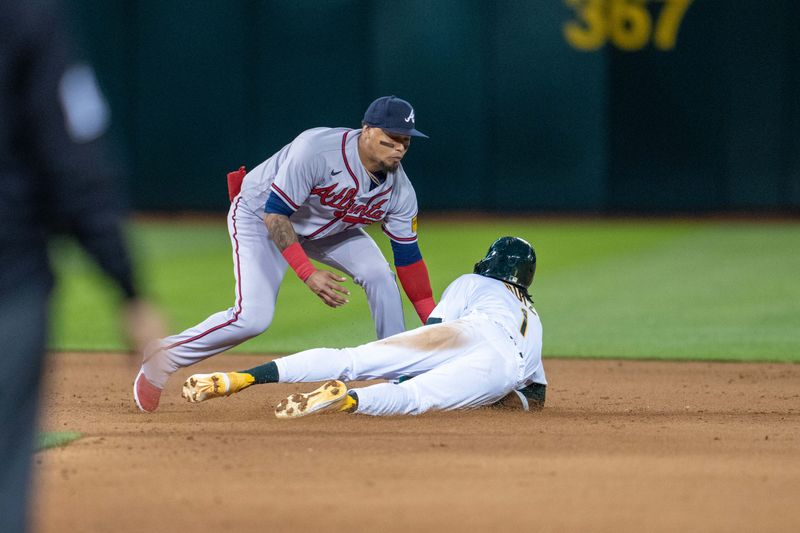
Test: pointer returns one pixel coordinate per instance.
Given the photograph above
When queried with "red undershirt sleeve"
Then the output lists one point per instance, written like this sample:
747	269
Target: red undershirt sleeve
417	285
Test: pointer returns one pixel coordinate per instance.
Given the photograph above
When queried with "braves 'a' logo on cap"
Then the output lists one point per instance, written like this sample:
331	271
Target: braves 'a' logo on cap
410	118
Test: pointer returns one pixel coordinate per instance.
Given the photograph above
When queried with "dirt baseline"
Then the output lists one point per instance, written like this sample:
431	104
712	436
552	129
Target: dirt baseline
620	446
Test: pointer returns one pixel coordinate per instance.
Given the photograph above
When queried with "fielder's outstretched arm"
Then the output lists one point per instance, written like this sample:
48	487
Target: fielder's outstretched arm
323	283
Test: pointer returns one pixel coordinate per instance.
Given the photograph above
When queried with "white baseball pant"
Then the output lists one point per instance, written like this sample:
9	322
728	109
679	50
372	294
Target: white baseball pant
466	363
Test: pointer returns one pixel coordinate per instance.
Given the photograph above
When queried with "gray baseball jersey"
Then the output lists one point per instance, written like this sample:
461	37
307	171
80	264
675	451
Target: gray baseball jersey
320	178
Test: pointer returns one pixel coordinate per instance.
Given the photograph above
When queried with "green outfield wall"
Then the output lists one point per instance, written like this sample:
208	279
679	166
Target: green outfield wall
538	105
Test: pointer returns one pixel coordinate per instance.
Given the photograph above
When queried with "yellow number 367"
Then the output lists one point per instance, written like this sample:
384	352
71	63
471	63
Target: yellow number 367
626	23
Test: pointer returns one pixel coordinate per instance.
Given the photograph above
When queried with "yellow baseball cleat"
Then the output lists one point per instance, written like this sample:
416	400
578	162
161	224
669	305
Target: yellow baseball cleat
202	387
329	398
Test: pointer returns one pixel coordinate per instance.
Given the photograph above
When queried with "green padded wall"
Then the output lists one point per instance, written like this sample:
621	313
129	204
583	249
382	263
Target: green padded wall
546	105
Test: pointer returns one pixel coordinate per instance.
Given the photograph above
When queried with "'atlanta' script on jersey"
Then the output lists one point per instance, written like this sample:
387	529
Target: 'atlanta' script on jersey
320	177
345	206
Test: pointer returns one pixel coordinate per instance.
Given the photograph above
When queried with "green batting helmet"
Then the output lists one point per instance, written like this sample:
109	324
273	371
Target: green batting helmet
509	259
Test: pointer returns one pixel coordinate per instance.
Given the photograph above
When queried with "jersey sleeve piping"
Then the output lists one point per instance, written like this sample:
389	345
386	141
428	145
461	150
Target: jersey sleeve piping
347	163
396	238
285	197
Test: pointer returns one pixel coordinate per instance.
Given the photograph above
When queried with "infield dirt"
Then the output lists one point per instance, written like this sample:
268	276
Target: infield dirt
621	446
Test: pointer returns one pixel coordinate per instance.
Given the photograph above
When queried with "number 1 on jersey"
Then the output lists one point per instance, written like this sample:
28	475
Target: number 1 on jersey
523	329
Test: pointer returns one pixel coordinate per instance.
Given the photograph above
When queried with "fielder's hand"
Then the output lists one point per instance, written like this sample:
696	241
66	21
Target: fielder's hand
326	285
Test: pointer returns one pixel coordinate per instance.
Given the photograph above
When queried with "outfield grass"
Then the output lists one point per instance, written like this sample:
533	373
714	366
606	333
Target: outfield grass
633	289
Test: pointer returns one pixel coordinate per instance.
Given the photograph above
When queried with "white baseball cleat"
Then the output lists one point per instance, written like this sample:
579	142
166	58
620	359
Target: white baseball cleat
330	397
202	387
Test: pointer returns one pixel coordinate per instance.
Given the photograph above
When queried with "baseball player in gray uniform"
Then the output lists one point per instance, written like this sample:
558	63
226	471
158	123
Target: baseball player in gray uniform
482	344
312	199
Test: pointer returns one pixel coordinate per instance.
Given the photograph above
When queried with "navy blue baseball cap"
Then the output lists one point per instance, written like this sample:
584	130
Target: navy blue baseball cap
392	114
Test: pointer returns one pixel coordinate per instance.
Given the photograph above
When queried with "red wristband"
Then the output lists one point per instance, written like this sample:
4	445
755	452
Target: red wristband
424	308
298	260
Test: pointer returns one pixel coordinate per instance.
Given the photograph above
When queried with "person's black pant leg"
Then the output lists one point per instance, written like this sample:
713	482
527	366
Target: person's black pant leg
23	327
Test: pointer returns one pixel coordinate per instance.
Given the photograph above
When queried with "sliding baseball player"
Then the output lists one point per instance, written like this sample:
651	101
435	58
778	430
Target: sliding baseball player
482	346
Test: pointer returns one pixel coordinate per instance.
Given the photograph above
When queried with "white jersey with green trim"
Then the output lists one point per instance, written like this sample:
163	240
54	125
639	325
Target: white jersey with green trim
503	304
483	341
319	175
